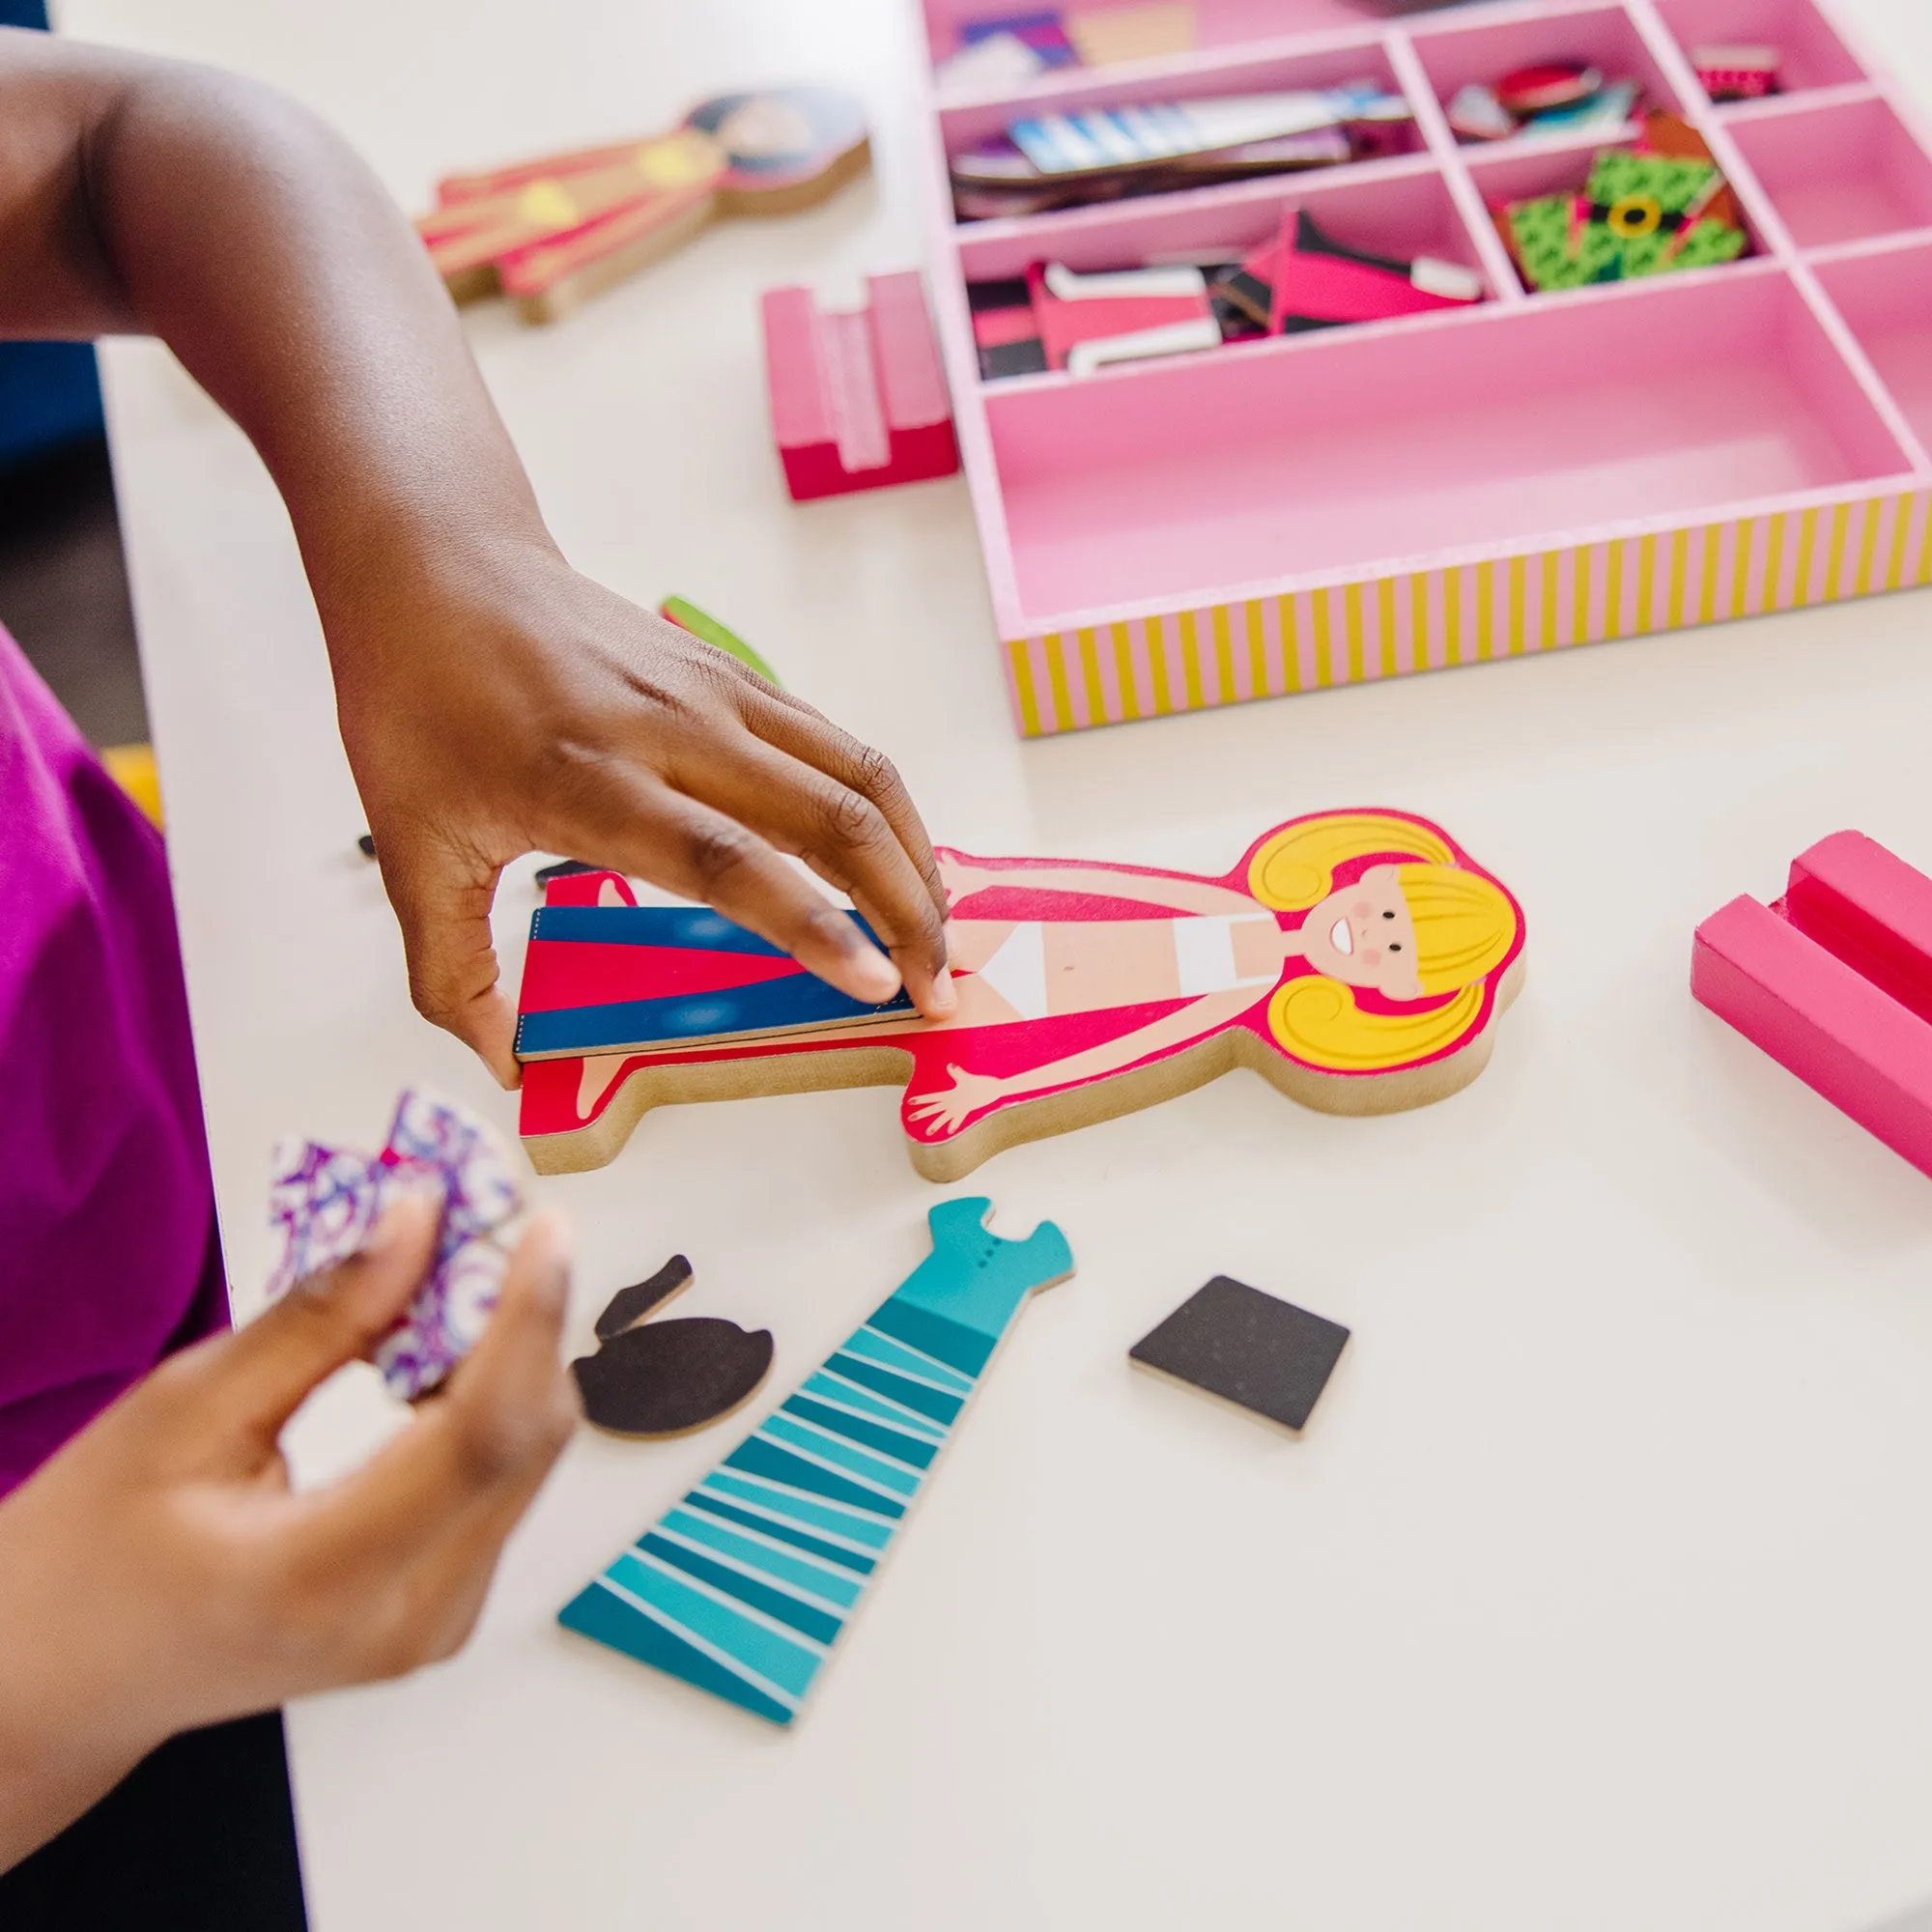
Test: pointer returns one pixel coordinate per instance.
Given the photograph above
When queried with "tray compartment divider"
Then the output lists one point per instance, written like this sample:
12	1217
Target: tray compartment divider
1851	351
1040	232
1497	267
1775	106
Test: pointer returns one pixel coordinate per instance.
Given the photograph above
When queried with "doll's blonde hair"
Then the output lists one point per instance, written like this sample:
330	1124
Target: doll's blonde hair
1465	926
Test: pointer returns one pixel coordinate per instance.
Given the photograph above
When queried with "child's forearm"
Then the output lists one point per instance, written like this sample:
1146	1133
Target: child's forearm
61	1747
250	238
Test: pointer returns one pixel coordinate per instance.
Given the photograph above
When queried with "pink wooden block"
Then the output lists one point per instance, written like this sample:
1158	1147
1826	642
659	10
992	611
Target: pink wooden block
1834	982
859	398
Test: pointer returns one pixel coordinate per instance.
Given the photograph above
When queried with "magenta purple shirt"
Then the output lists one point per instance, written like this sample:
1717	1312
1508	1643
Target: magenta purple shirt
108	1252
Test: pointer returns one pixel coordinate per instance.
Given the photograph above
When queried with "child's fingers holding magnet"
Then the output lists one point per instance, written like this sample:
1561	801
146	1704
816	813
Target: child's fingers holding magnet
695	849
897	904
847	838
257	1378
423	1521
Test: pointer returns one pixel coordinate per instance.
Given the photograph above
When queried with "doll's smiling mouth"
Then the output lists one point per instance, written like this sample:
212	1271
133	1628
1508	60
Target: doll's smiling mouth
1341	938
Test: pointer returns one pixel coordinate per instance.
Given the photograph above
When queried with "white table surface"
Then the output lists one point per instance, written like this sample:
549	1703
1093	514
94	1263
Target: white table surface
1598	1594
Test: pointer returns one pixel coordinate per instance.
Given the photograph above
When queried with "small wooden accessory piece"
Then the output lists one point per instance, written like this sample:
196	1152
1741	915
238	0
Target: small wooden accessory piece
1651	209
858	396
631	1305
666	1378
1307	280
1106	36
549	231
1536	90
1248	1348
1834	982
744	1586
1357	961
1738	72
687	616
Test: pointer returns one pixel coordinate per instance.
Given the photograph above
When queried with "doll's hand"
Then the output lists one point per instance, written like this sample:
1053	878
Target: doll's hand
948	1111
525	708
158	1573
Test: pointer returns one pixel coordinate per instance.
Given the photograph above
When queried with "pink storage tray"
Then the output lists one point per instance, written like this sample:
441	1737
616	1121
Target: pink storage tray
1534	472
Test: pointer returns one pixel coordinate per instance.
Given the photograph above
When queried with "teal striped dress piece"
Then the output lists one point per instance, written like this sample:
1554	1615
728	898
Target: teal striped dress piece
742	1586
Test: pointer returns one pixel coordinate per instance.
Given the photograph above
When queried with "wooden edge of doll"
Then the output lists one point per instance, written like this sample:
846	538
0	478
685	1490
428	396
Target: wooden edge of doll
473	284
647	1086
572	289
795	196
651	1309
1142	1087
1052	1114
1361	1095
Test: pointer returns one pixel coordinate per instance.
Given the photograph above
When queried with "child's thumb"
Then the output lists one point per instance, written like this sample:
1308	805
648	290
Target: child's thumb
333	1318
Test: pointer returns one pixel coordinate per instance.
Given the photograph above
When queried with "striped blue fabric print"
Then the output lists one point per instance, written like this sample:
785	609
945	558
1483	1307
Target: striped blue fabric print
746	1582
568	961
794	1003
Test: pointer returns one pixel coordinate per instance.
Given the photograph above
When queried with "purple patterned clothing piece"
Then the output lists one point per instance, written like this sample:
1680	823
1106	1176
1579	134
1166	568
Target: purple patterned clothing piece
325	1203
106	1209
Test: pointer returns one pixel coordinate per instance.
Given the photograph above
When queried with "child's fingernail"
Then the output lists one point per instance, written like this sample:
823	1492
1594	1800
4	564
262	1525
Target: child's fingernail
874	978
556	1243
558	1233
944	998
418	1195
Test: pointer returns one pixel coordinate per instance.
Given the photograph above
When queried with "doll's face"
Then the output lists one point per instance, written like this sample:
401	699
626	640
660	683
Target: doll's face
1363	936
766	125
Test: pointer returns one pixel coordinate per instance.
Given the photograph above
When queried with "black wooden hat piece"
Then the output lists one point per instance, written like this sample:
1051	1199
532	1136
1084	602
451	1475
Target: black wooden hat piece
666	1378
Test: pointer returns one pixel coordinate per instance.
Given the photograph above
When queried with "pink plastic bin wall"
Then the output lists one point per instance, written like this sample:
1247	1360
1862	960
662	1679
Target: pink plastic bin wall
1519	428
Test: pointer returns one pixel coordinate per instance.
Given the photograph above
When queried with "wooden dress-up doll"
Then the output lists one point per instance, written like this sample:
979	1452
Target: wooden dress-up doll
547	233
1356	959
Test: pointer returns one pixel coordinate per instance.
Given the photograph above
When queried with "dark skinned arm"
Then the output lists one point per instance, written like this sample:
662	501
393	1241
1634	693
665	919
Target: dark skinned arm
492	700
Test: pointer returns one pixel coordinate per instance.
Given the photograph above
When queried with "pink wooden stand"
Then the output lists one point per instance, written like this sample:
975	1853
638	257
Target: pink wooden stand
1534	472
1834	982
858	397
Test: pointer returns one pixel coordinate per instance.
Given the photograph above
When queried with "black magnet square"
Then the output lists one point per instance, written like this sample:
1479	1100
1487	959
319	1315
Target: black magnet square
1250	1349
1026	358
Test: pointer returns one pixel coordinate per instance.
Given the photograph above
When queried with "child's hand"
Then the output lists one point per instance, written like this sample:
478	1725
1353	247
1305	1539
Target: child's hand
493	701
159	1574
515	706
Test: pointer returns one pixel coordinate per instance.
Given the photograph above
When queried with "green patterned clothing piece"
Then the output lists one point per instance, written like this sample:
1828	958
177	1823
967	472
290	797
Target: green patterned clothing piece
1629	230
